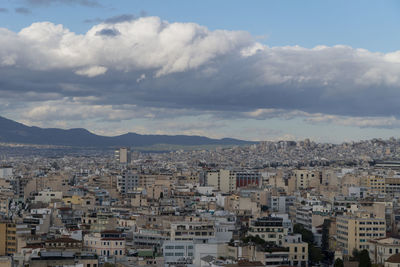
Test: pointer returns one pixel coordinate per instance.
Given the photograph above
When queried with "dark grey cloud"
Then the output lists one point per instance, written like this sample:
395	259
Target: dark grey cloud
108	32
3	10
120	18
23	10
87	3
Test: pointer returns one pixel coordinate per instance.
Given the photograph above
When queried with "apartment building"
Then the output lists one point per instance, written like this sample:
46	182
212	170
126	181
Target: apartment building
270	229
178	253
223	180
128	181
374	184
303	178
106	243
201	231
298	250
354	231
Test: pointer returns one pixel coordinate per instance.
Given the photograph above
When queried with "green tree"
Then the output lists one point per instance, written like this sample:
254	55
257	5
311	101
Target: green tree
356	255
364	260
314	253
338	263
306	235
255	239
325	235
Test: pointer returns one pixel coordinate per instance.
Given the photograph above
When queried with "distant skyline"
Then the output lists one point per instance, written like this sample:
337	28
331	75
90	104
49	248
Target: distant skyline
254	70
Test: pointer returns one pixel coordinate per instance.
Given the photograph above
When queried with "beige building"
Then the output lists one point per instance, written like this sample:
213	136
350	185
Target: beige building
47	196
306	178
241	205
106	243
374	184
270	229
223	180
347	181
298	250
355	230
123	155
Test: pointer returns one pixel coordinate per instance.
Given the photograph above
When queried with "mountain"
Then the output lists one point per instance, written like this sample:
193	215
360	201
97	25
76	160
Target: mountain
14	132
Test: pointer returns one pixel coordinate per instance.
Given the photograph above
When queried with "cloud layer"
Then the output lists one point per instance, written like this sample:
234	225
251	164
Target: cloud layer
184	69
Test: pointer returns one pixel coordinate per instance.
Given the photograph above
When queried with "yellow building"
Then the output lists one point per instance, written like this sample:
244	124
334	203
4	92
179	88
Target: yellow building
374	184
74	200
354	231
8	242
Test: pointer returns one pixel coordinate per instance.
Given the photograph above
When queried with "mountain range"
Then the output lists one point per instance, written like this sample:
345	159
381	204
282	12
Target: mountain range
15	132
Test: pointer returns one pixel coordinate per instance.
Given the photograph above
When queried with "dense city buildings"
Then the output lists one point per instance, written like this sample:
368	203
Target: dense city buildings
269	204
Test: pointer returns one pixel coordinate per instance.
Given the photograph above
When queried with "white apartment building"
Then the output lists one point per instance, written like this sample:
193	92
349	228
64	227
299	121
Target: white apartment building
381	249
178	253
199	231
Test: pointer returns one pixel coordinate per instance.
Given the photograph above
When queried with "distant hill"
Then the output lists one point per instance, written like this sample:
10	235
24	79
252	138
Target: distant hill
14	132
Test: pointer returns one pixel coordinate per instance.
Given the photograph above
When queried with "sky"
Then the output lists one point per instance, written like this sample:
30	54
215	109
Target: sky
254	70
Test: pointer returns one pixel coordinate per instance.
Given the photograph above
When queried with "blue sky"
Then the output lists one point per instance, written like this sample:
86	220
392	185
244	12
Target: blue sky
372	25
260	70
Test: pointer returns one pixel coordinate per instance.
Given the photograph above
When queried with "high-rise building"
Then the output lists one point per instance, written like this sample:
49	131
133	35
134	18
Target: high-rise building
354	231
123	155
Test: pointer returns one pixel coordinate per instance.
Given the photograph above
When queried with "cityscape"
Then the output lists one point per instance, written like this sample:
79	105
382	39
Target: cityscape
224	133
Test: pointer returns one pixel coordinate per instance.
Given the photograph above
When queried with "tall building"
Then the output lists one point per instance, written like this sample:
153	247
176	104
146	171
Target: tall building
8	242
354	231
123	155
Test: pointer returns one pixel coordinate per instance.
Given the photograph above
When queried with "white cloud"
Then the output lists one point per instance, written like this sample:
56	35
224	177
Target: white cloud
141	78
152	69
92	71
